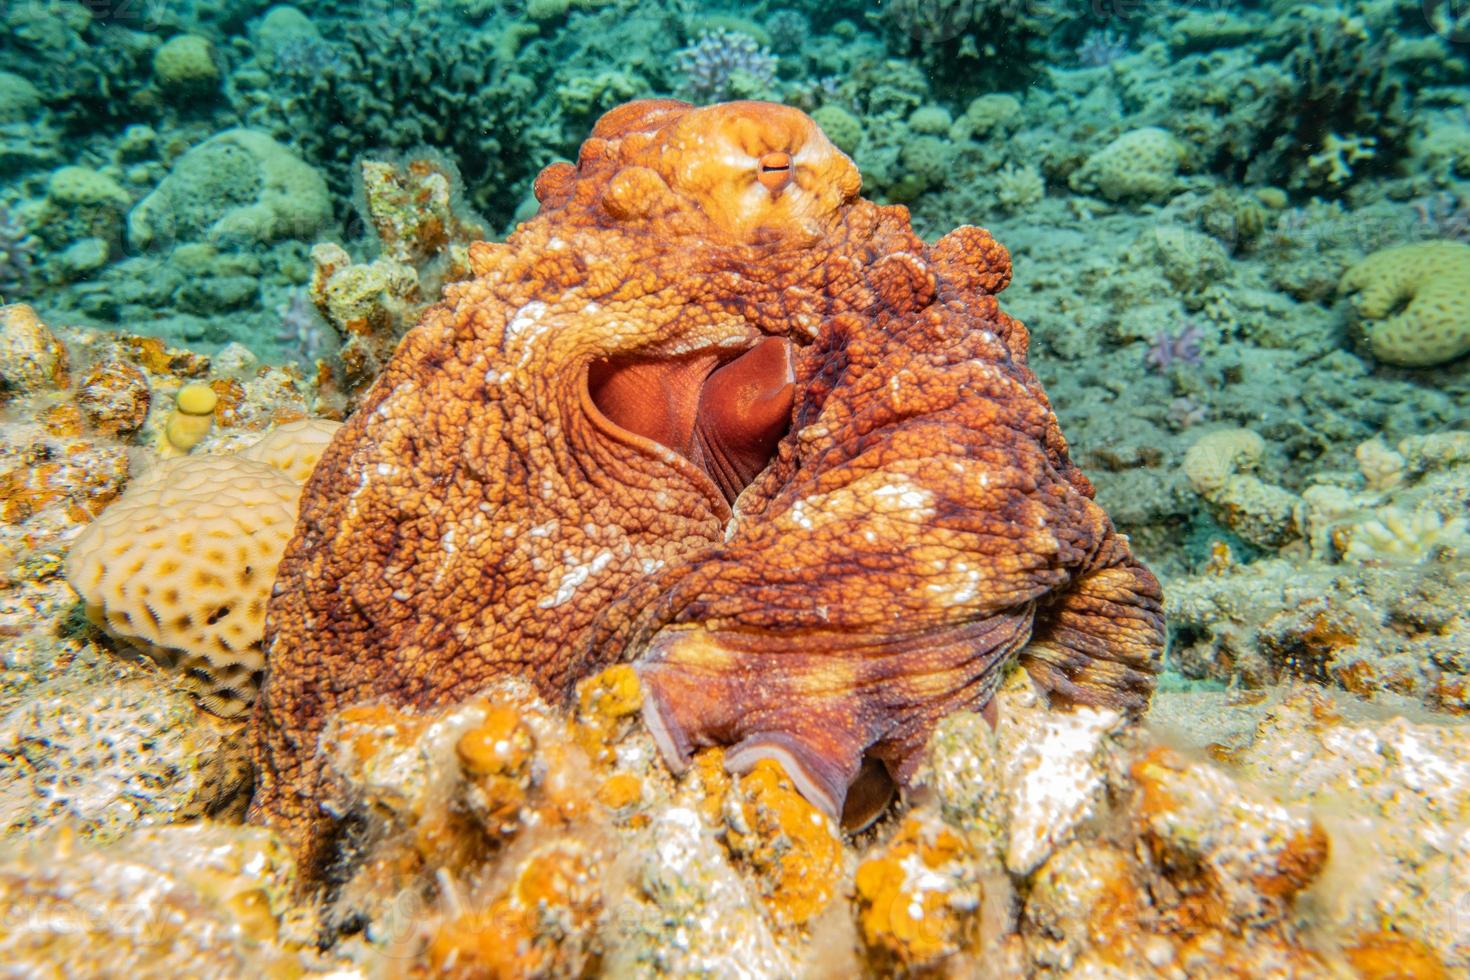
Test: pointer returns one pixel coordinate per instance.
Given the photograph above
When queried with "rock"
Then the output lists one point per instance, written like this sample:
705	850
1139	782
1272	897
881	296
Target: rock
197	900
114	396
31	358
102	752
19	99
82	203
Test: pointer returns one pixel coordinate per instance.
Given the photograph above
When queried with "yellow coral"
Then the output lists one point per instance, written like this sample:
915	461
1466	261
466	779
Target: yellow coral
1391	535
916	904
540	926
792	847
295	447
1414	301
496	755
1215	458
182	565
605	703
1142	163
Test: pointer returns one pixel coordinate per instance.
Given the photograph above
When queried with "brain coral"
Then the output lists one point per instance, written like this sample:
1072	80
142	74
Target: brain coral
181	566
1142	163
293	448
711	412
1414	301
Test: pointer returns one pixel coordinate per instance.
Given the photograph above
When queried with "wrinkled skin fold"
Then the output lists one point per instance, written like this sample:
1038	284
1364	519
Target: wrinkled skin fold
713	413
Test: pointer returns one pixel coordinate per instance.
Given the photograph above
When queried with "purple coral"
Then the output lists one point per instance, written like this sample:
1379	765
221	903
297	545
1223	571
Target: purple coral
17	252
722	64
302	329
1169	349
1100	48
1444	215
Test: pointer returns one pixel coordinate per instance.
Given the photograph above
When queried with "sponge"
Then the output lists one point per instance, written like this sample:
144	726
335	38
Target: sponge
1414	301
182	565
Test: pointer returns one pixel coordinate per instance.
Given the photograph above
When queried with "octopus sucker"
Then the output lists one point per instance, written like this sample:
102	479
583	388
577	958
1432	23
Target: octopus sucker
711	413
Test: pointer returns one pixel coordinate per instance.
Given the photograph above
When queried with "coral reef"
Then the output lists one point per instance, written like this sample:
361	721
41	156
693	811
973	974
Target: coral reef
181	567
421	233
239	187
1263	377
1369	607
722	65
1242	832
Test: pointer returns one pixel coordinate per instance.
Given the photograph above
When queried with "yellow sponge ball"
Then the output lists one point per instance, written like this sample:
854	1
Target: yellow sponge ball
1414	301
196	399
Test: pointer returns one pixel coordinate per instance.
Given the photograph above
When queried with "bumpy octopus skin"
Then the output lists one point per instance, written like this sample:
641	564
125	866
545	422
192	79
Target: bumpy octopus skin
711	412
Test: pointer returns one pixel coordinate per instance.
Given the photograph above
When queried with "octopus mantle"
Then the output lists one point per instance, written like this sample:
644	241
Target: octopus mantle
712	412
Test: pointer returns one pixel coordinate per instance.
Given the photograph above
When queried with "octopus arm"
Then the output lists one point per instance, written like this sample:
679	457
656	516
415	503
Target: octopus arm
1098	641
890	581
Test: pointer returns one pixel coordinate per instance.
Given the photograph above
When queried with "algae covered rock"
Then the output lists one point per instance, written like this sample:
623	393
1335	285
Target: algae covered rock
842	127
197	900
240	187
19	99
102	749
82	203
32	359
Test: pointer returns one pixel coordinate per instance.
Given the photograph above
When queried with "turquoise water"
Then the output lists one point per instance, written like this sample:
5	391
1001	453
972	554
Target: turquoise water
1182	187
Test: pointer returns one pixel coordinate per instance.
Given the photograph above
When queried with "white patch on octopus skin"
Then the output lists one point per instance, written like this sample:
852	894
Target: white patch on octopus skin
572	576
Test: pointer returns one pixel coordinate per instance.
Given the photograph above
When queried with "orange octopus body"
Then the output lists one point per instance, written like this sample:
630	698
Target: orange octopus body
712	412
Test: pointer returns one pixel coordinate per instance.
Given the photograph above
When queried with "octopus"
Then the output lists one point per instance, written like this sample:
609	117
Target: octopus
712	413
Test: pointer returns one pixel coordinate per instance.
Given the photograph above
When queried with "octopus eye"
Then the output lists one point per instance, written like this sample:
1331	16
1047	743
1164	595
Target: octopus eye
774	171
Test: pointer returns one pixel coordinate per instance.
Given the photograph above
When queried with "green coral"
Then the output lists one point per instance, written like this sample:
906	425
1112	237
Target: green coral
186	63
239	187
841	127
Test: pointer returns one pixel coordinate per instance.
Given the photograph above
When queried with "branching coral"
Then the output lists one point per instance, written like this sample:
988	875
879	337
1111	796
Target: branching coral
1346	87
724	64
1168	349
400	80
